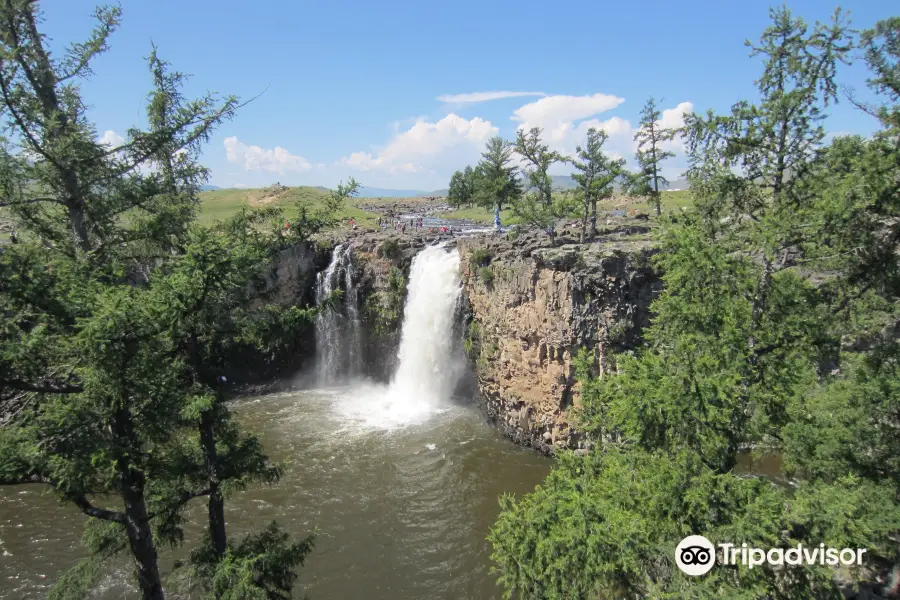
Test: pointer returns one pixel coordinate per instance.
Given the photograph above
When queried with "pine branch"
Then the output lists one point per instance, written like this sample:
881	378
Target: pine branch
182	500
30	201
98	513
41	387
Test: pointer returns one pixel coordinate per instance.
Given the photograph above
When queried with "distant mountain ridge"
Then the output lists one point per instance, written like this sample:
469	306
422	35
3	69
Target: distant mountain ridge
563	182
374	192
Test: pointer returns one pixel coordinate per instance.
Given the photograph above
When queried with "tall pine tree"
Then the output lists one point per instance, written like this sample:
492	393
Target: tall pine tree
595	177
119	311
538	206
650	138
775	332
496	182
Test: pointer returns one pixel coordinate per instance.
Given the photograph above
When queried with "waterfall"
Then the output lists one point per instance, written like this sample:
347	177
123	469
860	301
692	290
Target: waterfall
429	362
338	332
426	373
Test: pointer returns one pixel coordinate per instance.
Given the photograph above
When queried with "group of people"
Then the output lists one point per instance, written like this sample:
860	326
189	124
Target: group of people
416	223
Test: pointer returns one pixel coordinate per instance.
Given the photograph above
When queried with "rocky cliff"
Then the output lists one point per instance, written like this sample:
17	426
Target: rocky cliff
382	262
533	306
529	307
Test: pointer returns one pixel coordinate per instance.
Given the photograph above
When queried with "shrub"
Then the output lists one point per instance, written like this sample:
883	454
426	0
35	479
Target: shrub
472	345
481	257
390	249
486	275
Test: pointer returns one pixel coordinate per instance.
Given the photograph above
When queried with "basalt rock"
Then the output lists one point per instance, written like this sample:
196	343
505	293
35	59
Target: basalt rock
533	306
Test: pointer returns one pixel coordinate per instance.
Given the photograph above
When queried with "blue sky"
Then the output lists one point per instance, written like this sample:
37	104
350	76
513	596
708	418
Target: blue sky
396	93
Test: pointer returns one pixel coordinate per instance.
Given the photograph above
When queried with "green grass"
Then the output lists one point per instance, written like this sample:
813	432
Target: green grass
221	204
671	201
478	214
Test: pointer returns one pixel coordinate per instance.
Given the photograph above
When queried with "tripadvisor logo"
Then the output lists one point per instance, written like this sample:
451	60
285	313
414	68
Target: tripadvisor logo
696	555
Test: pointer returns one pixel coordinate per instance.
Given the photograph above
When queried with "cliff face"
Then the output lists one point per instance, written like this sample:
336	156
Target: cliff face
289	281
529	308
532	308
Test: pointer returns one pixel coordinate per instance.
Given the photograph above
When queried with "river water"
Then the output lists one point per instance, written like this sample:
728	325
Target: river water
402	510
400	481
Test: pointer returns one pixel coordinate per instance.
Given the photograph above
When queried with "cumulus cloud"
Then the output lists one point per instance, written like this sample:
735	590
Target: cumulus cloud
673	118
111	138
427	147
552	112
254	158
567	119
475	97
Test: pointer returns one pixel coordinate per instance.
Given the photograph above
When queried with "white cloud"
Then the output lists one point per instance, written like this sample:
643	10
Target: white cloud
111	138
673	118
474	97
427	147
255	158
554	112
567	119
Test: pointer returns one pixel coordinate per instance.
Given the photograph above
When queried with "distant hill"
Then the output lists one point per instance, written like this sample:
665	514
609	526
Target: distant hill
221	204
209	188
565	182
373	192
679	184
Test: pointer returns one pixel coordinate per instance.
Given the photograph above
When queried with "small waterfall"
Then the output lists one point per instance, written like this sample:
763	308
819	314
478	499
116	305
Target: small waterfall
426	374
338	332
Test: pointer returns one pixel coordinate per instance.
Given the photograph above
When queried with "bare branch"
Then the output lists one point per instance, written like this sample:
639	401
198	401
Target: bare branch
42	387
31	201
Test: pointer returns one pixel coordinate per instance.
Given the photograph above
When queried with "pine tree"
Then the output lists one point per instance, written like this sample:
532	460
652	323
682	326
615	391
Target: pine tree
537	206
650	137
496	183
595	176
775	331
462	188
118	312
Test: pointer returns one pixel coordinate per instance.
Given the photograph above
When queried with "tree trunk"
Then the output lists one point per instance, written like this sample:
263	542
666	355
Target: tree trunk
593	217
137	524
216	503
497	223
656	199
584	217
57	125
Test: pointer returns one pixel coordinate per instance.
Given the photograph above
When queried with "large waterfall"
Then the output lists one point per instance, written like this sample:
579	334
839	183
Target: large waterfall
428	371
338	332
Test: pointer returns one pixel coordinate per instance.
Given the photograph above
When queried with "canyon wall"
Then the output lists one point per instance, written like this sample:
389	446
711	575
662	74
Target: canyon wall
528	308
533	306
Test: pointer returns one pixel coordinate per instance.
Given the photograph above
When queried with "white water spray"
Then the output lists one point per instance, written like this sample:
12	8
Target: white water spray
427	373
338	332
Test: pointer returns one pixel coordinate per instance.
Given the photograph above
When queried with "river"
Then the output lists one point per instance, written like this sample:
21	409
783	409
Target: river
402	510
400	481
